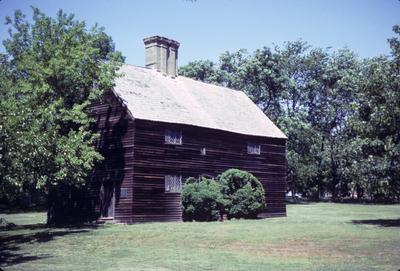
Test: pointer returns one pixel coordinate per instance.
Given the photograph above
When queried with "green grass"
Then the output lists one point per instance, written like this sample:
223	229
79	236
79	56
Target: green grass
313	237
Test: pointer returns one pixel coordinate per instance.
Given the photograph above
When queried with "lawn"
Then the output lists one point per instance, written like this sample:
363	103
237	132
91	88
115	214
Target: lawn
322	236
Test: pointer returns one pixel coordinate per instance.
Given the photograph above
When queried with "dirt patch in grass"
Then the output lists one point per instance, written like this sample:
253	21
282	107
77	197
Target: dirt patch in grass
297	248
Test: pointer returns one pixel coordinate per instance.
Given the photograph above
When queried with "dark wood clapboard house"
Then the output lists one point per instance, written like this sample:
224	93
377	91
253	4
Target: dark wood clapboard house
157	129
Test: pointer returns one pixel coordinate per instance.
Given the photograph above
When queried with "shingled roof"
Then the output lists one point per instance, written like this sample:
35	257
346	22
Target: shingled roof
150	95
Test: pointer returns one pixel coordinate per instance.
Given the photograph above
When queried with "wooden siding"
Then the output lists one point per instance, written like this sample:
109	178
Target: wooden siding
137	158
153	159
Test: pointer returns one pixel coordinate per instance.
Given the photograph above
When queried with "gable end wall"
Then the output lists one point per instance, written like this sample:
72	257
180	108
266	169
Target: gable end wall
116	129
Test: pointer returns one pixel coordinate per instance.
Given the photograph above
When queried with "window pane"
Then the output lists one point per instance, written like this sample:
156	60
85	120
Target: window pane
124	193
173	183
173	137
253	148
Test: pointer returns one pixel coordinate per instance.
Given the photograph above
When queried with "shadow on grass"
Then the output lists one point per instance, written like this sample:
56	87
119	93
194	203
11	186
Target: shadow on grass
298	202
379	222
13	242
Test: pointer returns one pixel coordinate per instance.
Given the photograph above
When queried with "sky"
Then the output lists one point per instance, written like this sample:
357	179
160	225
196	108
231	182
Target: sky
207	28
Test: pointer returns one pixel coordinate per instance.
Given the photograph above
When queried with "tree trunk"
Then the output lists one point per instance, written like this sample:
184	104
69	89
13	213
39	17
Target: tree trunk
68	205
51	206
59	206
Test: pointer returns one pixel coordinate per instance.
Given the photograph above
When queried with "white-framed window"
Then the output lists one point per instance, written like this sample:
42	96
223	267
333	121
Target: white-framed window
203	151
173	183
253	148
173	137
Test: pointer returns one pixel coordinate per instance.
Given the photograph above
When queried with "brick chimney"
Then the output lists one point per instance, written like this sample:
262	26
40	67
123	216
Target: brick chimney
162	55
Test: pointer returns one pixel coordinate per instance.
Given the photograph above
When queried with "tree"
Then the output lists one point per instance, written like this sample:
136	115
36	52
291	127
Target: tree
203	70
376	125
52	70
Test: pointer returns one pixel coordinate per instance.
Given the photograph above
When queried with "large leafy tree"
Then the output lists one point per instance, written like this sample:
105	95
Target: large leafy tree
52	70
376	125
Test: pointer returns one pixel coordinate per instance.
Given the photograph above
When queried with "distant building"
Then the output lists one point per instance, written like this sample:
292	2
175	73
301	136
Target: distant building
157	129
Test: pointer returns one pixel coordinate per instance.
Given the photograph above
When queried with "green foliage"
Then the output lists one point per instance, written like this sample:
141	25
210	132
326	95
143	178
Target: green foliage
202	200
236	193
203	70
244	193
341	114
53	68
377	127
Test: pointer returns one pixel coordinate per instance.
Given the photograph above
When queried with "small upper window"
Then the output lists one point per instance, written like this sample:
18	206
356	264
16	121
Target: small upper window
123	193
203	151
173	183
173	137
253	148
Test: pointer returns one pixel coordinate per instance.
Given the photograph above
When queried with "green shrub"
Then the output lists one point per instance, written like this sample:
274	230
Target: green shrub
202	200
245	196
236	193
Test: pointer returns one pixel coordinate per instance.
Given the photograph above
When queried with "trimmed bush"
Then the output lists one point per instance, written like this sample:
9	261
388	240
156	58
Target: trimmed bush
245	196
202	200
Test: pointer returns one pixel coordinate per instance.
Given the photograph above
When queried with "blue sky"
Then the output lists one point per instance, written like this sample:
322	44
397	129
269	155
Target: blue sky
206	28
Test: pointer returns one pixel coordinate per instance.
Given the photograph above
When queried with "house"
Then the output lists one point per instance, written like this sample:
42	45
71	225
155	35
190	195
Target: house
157	129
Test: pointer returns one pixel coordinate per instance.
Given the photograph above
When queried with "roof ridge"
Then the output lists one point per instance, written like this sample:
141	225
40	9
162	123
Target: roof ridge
182	76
